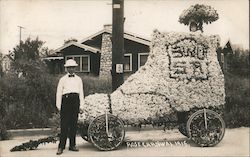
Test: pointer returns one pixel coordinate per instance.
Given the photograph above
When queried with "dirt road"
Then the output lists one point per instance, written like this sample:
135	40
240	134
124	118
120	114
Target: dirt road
146	143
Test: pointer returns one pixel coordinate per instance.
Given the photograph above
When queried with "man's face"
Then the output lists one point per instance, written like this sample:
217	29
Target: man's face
71	70
193	28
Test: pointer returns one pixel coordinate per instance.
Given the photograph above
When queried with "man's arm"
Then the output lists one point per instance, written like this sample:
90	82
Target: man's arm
59	94
81	95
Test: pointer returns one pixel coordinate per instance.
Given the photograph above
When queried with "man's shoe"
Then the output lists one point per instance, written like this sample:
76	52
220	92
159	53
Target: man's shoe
59	151
73	149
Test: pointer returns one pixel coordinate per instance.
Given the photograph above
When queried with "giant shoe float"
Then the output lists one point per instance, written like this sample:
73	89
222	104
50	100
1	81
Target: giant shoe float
181	82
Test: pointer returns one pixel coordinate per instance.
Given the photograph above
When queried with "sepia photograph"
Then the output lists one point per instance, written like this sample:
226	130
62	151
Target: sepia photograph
126	78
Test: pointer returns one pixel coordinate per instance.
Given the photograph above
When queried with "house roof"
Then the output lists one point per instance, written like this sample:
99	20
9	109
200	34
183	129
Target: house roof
227	44
224	42
83	46
232	47
127	35
80	44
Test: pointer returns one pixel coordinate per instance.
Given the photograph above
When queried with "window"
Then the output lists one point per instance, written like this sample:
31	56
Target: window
127	62
222	57
83	62
142	59
77	59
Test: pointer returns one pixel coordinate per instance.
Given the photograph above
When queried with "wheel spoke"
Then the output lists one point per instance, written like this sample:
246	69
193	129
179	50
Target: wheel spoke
205	118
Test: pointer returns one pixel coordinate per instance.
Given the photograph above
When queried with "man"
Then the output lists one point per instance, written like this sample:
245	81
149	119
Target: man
69	98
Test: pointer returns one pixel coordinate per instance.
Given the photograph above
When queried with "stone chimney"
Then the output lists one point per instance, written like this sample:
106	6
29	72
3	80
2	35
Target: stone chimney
108	26
106	55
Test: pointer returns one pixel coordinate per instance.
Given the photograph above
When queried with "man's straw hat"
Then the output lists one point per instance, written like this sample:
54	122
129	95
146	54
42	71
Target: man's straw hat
70	63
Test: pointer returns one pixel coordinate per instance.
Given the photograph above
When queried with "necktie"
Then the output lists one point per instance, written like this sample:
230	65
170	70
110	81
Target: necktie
71	75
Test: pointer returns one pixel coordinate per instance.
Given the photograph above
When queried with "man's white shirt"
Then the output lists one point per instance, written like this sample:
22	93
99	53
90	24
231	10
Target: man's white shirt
69	85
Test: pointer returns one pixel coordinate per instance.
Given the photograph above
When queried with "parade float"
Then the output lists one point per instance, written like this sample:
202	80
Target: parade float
181	84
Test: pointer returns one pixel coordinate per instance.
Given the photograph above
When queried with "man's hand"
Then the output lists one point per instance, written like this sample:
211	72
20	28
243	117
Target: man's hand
57	110
82	115
80	111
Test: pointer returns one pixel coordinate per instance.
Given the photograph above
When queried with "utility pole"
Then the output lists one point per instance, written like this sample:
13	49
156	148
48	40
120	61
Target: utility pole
117	43
20	32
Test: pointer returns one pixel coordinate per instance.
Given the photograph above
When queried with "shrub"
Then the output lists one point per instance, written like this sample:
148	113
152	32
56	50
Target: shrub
96	85
92	84
27	102
3	131
54	123
237	101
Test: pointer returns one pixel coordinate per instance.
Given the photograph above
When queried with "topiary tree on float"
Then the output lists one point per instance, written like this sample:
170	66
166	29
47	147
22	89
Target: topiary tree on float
198	14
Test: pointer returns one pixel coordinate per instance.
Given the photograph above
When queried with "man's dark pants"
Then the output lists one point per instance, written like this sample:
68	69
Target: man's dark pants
69	116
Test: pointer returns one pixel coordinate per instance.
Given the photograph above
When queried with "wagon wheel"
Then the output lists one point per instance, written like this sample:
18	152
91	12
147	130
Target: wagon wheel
83	130
183	129
206	128
182	121
106	132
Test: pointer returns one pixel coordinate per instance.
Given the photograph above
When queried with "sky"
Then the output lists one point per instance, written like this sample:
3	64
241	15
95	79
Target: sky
54	21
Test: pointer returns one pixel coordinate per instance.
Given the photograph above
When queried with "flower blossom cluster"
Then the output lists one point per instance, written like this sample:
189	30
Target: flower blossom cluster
154	91
95	105
199	12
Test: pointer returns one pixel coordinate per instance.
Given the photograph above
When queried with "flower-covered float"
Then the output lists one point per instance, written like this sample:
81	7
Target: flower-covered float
181	83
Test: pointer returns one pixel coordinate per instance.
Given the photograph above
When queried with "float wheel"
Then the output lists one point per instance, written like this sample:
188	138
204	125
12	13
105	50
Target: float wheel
206	128
106	132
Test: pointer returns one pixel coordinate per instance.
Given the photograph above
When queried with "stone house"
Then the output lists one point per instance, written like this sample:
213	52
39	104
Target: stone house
94	54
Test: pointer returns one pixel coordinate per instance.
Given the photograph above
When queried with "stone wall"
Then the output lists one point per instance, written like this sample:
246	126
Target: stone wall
106	56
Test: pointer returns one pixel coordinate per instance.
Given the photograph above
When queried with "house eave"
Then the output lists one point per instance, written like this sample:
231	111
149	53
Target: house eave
127	35
83	46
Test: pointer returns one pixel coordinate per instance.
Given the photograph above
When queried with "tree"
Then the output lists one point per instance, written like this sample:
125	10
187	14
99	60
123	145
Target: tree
29	100
1	64
27	57
239	62
197	15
